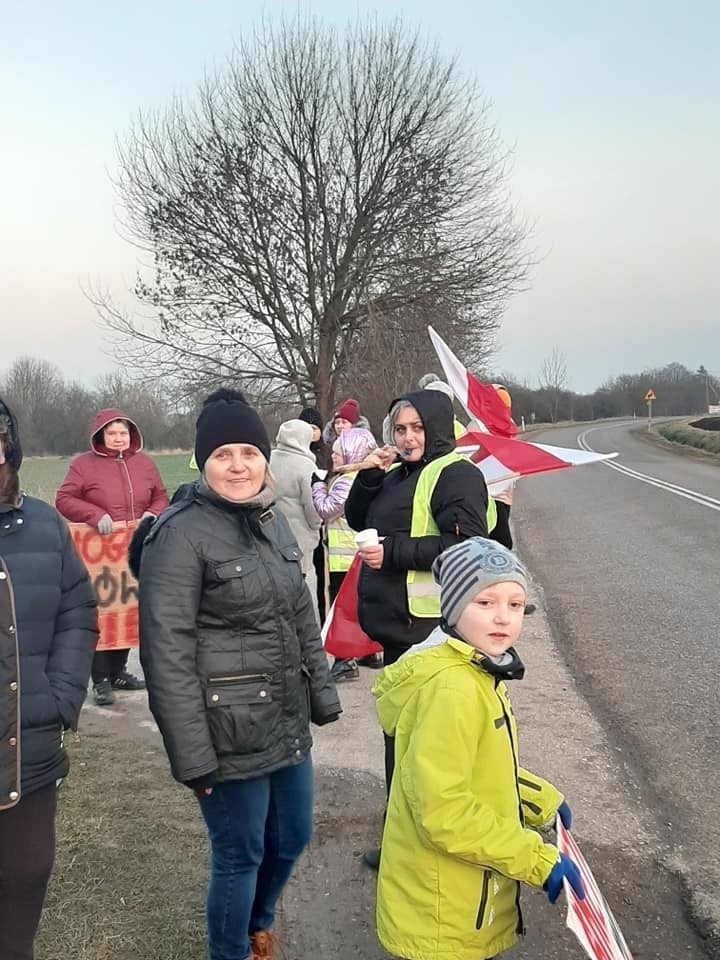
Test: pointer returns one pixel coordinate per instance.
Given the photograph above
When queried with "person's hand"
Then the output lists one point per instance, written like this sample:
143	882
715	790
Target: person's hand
564	869
379	459
565	814
105	524
202	786
372	556
329	718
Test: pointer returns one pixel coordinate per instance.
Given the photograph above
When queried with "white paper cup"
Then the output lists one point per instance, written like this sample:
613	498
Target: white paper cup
367	538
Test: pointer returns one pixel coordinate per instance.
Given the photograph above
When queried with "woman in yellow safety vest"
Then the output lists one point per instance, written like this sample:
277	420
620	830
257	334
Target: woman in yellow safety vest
350	448
429	499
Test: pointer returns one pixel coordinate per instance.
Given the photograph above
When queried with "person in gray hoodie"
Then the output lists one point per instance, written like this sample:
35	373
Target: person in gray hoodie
292	465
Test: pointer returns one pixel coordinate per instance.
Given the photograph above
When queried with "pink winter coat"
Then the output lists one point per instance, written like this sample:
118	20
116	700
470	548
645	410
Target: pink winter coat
124	485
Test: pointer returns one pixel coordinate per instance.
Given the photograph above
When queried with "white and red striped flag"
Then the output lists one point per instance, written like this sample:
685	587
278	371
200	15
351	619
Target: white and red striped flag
501	459
481	400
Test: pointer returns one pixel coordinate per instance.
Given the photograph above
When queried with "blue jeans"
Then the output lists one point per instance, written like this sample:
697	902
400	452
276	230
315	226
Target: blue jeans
257	828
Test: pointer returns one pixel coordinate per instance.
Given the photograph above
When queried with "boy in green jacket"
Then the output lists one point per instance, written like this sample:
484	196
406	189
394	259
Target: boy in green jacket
462	819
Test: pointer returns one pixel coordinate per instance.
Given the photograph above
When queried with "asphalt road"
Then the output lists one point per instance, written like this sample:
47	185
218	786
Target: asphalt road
627	558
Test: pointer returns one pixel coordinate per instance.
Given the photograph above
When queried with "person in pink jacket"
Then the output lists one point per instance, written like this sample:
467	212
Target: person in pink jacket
114	482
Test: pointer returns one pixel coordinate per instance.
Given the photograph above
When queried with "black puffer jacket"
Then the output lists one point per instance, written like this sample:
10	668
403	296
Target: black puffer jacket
229	642
384	501
48	632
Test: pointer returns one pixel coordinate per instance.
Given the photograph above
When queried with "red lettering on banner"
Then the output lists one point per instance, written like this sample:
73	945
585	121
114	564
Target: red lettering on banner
115	587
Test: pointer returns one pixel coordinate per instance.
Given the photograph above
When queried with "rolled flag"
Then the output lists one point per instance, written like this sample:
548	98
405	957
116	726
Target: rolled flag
481	400
341	634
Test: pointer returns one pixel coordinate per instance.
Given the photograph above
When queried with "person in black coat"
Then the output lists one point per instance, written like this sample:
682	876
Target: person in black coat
383	497
48	632
235	671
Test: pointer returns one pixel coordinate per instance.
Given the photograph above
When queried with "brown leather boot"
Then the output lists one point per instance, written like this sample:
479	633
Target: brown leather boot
265	945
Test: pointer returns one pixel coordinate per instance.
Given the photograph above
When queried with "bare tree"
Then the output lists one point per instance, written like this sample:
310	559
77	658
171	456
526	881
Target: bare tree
554	380
319	180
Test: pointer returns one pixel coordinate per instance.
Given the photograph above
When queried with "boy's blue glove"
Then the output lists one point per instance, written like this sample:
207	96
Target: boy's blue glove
565	814
565	868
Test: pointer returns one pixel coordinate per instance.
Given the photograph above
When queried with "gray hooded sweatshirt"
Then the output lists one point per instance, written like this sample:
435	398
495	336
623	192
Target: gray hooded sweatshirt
292	465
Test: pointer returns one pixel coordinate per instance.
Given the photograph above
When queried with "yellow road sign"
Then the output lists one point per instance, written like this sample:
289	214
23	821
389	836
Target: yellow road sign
650	395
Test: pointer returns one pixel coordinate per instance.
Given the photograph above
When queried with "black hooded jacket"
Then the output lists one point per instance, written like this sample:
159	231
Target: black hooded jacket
384	501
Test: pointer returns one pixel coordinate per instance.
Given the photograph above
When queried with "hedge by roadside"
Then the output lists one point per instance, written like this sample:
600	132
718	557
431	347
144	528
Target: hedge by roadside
681	432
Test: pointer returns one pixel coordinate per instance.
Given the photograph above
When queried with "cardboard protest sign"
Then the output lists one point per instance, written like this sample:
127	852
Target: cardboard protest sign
115	587
590	919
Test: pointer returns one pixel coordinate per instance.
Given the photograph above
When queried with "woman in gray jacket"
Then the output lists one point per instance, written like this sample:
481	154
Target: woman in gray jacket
293	464
235	672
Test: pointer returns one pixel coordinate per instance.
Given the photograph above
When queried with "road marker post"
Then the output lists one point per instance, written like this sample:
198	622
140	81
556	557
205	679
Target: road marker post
649	397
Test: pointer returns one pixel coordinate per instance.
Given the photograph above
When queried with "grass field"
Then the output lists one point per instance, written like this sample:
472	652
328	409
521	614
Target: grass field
41	476
129	879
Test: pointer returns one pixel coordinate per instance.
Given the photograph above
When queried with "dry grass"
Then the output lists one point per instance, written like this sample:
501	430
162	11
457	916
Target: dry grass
684	432
129	880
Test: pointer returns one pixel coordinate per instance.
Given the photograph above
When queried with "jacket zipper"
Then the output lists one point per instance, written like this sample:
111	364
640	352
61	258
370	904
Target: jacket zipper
483	899
521	922
121	458
18	721
276	598
240	678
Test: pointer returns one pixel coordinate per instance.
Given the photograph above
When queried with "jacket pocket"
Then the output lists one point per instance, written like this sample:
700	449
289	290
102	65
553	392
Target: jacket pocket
484	894
292	553
235	582
237	569
242	715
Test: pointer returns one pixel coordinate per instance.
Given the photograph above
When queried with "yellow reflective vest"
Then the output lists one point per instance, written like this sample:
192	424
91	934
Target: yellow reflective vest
460	829
341	538
422	591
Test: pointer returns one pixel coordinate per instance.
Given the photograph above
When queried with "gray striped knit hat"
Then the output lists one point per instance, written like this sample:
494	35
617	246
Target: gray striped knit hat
467	568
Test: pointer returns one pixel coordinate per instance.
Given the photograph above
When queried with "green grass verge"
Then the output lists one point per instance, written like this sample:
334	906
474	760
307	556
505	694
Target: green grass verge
41	476
682	433
129	879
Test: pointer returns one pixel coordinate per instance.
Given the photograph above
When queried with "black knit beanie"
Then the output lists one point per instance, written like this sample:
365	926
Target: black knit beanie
312	416
226	417
10	438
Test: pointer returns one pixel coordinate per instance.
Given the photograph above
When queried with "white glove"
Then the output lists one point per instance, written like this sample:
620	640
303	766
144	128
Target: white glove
105	524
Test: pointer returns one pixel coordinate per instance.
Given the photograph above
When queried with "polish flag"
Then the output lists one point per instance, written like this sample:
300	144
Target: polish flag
479	399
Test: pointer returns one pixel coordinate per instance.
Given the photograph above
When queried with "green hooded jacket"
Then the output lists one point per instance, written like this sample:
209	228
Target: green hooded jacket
459	833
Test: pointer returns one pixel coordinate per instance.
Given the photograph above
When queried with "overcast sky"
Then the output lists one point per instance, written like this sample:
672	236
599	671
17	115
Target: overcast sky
612	109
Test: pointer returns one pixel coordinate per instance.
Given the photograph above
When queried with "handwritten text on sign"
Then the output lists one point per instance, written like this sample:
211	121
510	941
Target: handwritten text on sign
117	593
590	919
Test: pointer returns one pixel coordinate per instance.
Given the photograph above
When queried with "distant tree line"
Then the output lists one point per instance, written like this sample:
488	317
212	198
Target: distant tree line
678	391
55	414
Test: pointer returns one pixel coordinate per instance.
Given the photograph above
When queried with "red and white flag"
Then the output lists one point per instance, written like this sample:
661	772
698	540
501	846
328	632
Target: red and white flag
341	634
591	919
501	459
481	400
